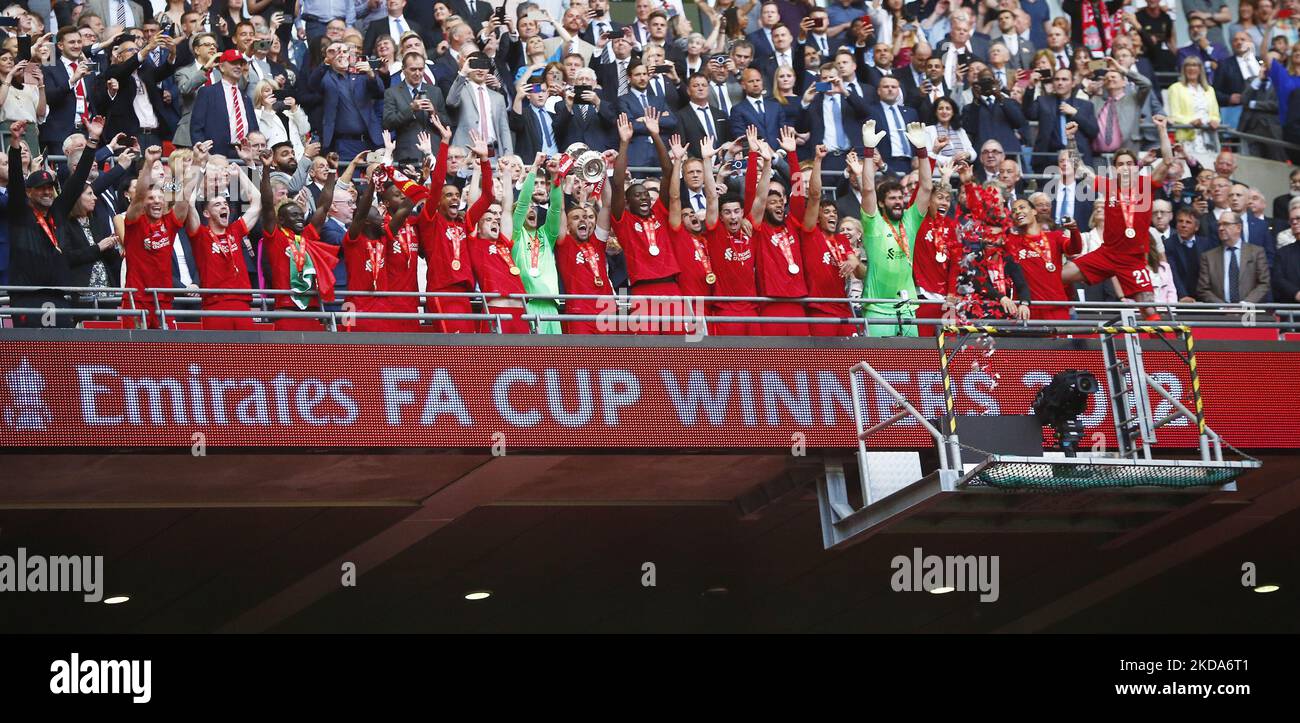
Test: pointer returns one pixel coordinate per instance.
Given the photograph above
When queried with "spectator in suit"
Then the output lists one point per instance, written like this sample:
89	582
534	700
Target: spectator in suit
699	119
852	78
1118	110
133	70
769	16
1234	76
1060	115
475	106
1286	268
1233	272
641	150
883	54
755	110
190	78
1018	45
350	88
533	126
222	114
813	33
1183	250
1254	231
117	13
344	204
409	107
842	13
612	73
568	38
724	88
395	24
600	24
662	84
1058	47
591	119
993	115
67	91
784	55
1281	203
961	41
476	12
1210	54
835	117
893	117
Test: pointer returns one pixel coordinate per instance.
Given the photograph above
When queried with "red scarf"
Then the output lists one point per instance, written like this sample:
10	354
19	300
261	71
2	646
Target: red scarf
1097	37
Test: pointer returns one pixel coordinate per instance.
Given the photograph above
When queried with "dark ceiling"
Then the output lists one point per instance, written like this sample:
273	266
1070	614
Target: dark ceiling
561	541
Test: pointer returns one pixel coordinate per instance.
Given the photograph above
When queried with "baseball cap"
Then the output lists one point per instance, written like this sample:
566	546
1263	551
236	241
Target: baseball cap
231	56
39	179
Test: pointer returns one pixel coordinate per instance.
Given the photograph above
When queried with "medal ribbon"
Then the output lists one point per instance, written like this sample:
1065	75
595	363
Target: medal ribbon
299	254
503	251
589	254
703	252
375	250
49	231
784	242
900	236
534	249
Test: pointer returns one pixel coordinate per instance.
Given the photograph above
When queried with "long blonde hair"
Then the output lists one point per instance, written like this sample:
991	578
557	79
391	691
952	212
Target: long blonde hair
1182	72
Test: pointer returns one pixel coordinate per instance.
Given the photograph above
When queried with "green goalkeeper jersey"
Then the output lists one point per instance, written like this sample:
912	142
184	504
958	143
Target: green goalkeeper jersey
889	266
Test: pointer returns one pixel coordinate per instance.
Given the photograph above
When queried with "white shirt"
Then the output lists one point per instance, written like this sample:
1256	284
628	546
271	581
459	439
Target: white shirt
143	108
394	30
1249	66
897	127
1063	207
1227	264
179	252
706	119
81	102
783	58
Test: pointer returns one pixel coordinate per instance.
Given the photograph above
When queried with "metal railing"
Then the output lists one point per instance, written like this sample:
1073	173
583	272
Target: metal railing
676	313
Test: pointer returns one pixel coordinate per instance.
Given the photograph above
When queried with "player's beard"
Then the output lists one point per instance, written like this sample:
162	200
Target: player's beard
893	215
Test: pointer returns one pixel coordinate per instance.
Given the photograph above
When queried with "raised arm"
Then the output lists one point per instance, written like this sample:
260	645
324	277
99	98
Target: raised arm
136	207
194	171
254	209
526	195
1166	150
479	206
324	202
867	177
710	183
813	208
618	194
365	200
269	223
925	176
672	183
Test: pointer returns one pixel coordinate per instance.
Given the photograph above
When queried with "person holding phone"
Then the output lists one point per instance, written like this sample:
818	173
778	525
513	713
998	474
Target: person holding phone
22	96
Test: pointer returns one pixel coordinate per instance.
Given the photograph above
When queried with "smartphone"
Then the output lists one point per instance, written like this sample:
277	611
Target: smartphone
534	15
1023	78
1096	65
578	90
24	48
8	22
500	13
480	63
592	14
823	85
664	69
375	157
611	35
534	88
963	59
819	23
1045	73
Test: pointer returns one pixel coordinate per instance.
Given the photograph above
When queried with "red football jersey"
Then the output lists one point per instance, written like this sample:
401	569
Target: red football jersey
220	258
1125	213
647	245
732	256
149	255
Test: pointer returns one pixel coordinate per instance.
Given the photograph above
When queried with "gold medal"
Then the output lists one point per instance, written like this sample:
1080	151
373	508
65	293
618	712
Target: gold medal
710	278
514	270
1051	266
455	265
600	282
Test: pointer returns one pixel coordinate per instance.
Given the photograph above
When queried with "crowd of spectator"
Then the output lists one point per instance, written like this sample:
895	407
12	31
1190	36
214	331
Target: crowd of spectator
307	144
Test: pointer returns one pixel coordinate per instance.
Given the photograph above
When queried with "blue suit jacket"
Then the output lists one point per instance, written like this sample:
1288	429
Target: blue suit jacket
364	91
641	151
763	47
1186	263
210	122
1045	110
876	112
62	103
332	233
853	113
1000	122
744	115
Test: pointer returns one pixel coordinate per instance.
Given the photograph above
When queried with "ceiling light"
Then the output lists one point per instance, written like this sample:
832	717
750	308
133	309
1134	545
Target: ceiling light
1267	588
478	595
116	599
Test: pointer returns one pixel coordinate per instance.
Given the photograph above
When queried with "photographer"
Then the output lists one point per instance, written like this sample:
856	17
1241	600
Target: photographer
135	78
1118	111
